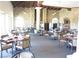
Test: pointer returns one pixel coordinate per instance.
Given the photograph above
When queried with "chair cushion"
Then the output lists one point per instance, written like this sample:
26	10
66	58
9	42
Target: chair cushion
7	46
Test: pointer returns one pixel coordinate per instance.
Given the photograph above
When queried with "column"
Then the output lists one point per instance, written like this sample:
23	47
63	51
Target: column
38	18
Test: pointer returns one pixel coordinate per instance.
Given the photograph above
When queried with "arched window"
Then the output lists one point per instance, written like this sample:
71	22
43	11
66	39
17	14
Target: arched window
55	23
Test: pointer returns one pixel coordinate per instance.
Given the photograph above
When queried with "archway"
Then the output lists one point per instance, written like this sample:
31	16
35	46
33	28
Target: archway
66	24
55	23
66	21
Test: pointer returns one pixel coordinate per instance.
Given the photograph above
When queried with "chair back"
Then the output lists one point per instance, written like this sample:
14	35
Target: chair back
26	43
3	36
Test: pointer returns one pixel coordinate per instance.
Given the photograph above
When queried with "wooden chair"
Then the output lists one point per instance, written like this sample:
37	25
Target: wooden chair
61	39
4	45
23	44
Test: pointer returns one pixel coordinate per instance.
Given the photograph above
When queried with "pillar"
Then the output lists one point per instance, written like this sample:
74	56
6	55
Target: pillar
38	18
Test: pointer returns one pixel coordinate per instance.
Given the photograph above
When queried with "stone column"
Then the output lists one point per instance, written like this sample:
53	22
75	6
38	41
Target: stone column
38	18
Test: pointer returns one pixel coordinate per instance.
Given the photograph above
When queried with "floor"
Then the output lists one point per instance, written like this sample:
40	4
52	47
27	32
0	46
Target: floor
44	47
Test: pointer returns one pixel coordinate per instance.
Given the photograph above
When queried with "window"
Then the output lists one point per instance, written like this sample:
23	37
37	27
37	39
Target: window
55	23
2	23
5	23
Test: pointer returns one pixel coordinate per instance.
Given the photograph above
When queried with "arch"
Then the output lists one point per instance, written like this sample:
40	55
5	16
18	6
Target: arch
66	25
66	20
54	23
55	20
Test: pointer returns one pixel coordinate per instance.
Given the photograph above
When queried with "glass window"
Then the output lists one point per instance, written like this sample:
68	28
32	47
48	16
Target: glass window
2	23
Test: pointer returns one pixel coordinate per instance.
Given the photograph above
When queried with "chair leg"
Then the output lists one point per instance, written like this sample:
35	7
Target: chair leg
59	44
71	49
29	48
1	54
12	51
16	49
19	55
7	50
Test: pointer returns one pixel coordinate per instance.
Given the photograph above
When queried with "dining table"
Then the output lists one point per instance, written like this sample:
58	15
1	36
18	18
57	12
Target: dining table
13	40
71	38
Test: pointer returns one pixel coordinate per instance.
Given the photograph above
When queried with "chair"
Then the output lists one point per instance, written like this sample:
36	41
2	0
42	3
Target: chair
55	35
4	45
72	43
23	44
61	39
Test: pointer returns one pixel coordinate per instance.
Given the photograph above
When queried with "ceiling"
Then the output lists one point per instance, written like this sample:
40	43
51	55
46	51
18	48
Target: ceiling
29	4
62	3
50	3
24	4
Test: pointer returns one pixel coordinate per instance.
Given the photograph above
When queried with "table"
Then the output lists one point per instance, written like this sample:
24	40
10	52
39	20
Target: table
71	41
13	40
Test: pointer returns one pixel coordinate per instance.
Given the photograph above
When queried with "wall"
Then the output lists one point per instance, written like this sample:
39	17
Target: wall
27	14
52	14
72	15
49	15
6	9
44	15
53	17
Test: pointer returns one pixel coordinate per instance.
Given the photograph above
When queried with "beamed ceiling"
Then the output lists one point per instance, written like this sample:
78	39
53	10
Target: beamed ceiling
24	4
29	4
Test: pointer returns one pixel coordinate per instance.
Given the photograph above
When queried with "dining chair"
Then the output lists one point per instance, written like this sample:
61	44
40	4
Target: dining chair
61	40
4	45
23	44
